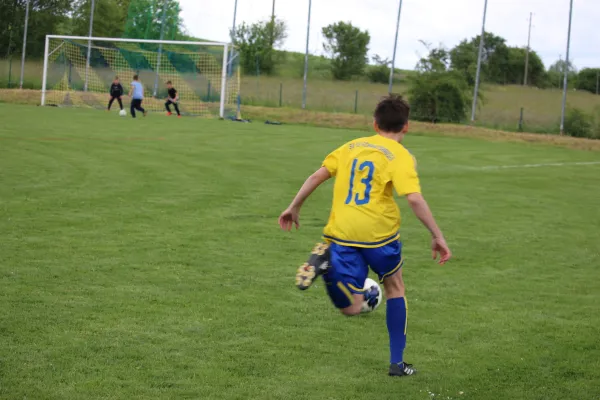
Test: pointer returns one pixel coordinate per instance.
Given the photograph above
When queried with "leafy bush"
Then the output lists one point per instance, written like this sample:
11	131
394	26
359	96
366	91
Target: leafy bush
579	124
378	73
587	79
439	96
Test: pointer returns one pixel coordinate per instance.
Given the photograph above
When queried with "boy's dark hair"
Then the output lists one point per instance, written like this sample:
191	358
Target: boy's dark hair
116	78
391	114
135	77
169	83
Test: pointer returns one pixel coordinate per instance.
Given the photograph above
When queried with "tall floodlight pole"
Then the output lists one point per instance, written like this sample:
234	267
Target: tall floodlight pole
273	24
230	68
566	78
24	44
528	50
478	73
306	57
162	37
395	45
89	50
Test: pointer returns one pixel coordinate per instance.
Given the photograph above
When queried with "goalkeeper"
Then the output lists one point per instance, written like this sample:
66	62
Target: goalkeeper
172	98
116	92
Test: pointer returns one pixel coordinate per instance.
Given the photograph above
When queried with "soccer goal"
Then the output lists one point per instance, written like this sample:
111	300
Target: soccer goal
78	71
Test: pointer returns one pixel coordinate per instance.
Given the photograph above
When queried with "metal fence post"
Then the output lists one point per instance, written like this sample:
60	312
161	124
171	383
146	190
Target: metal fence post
521	120
9	71
281	94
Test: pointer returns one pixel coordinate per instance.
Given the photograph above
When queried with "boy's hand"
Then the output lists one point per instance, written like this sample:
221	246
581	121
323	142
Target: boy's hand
289	217
439	247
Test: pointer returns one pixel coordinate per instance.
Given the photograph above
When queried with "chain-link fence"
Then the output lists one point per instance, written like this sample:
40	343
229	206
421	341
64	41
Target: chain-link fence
500	109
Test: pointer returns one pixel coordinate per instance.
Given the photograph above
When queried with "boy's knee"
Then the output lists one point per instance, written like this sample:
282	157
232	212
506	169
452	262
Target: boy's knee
350	313
394	286
353	309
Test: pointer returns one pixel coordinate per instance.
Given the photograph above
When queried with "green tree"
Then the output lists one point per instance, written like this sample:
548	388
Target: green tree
348	46
556	73
514	71
437	60
587	79
45	16
109	18
494	58
144	19
256	44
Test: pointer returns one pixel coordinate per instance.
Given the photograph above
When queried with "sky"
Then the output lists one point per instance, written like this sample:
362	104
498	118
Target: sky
444	22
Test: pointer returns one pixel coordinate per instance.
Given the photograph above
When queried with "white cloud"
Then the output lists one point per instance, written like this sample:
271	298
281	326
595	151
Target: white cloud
435	21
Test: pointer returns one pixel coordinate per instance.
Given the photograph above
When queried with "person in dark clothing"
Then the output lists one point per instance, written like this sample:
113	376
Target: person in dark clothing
173	98
116	92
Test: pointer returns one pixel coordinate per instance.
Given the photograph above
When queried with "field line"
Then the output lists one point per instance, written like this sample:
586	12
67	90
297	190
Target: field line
556	164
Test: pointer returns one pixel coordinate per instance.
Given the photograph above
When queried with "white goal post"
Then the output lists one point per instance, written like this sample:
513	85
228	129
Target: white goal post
207	81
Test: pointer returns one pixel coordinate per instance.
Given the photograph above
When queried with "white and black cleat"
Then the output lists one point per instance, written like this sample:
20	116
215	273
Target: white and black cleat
317	264
402	369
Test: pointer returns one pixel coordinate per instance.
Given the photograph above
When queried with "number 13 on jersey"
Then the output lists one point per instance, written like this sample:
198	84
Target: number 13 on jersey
362	195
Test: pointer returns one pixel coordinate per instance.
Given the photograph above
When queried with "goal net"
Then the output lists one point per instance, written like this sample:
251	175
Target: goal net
78	71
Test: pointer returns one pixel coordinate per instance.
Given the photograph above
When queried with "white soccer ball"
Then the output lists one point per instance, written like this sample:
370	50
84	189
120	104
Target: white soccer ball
374	288
123	113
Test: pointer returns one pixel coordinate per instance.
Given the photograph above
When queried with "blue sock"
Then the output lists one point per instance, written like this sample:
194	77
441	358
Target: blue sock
396	324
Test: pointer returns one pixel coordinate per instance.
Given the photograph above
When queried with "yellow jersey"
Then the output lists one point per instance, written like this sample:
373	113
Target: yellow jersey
367	170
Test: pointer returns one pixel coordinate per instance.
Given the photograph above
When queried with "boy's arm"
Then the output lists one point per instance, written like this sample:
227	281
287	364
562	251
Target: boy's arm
130	90
417	202
406	182
291	215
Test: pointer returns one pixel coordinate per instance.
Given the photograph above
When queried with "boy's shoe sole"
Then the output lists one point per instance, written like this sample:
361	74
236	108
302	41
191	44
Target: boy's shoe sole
402	369
317	264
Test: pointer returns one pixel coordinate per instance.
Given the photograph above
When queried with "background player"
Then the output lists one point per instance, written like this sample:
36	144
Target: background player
137	96
363	225
173	98
116	92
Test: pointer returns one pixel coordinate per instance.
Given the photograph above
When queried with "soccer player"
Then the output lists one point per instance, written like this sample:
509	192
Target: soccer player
137	96
116	92
363	225
173	98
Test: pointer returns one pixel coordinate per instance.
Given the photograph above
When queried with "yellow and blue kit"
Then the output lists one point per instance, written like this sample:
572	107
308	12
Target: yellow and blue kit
364	223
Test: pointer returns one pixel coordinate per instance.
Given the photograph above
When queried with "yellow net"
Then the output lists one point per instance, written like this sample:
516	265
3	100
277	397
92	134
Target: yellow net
195	72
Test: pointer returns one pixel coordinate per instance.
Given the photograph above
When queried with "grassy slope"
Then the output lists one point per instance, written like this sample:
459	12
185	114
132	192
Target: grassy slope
141	259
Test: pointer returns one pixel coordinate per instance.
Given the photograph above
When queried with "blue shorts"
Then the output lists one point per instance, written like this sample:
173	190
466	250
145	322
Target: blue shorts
350	268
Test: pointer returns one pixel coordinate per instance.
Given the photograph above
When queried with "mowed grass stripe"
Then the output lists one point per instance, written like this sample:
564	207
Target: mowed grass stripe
155	269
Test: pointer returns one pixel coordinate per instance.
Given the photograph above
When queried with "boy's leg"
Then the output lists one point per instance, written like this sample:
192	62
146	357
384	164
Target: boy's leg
141	108
317	264
176	105
120	103
168	106
345	279
111	101
133	107
387	262
396	319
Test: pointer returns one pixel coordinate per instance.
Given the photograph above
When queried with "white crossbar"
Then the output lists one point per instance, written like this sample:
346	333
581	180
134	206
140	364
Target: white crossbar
104	39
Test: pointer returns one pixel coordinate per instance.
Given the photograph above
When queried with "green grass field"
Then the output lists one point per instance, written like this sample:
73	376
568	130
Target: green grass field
141	259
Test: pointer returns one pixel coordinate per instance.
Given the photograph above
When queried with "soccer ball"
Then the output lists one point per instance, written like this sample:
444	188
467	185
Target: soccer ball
373	288
123	113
